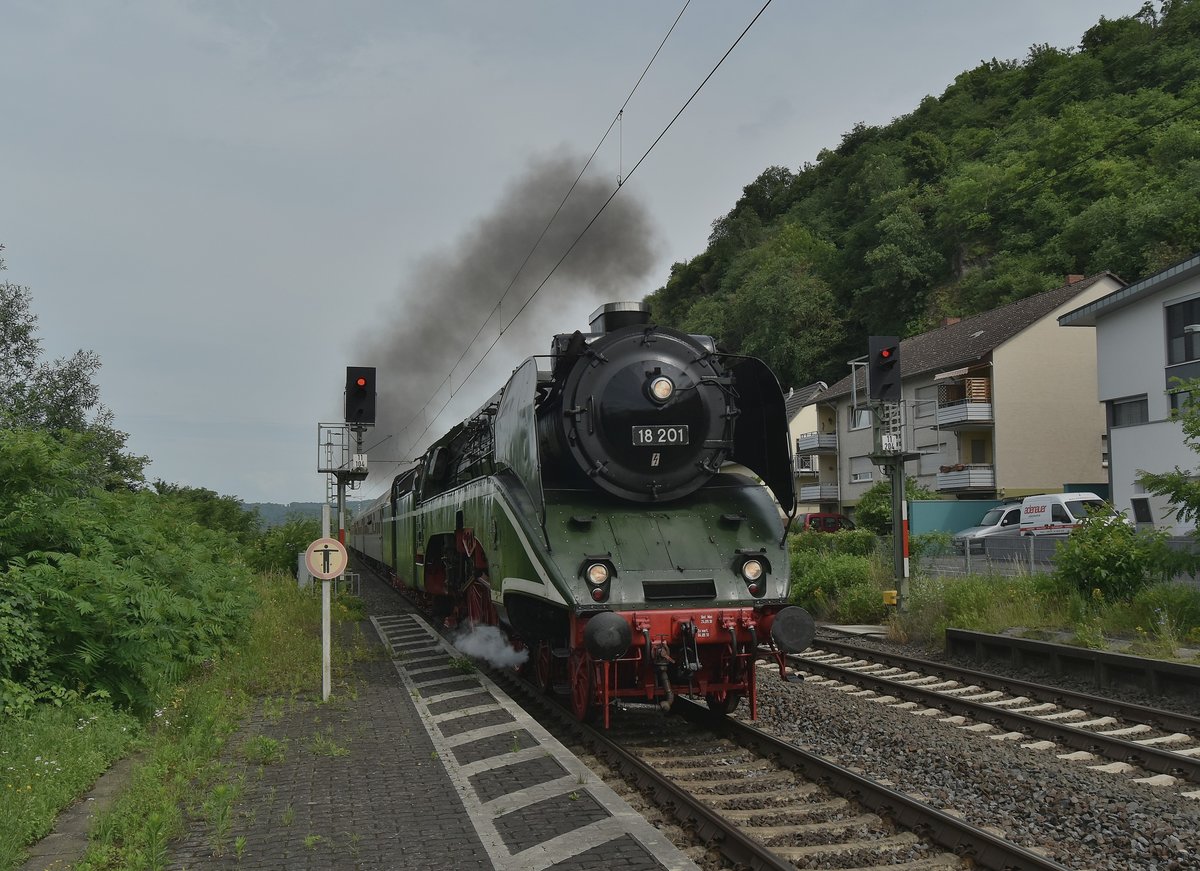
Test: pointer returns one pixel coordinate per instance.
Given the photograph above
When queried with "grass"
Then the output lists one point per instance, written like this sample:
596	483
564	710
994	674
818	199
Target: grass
1158	622
181	776
48	760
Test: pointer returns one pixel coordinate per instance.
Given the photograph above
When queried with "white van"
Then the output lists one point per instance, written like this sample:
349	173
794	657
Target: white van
1060	513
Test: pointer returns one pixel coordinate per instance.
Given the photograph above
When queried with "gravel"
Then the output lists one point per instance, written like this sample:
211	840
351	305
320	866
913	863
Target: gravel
1079	817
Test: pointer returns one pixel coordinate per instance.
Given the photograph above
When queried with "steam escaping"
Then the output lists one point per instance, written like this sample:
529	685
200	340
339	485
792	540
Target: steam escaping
448	296
490	645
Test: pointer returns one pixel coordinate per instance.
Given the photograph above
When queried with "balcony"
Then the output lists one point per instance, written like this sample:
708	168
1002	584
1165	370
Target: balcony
966	478
965	412
806	466
819	493
816	443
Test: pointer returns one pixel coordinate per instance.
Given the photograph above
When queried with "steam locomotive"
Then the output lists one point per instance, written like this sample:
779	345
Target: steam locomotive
619	509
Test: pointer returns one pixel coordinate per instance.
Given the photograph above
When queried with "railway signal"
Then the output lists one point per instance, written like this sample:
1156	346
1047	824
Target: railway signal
360	394
883	368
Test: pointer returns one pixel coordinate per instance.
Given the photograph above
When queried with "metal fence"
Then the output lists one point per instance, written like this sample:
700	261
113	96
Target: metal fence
1021	555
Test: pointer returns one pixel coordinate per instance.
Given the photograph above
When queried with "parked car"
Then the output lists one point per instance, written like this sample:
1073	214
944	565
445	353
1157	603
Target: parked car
819	522
1003	520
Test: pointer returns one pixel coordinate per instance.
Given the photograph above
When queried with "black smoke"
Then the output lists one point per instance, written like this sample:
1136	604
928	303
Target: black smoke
443	302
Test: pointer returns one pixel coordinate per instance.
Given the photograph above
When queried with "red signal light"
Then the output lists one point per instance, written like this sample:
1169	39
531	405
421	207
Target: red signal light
885	354
361	382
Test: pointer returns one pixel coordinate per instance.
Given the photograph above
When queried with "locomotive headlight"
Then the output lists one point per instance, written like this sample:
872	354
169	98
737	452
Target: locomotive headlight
662	388
597	574
752	570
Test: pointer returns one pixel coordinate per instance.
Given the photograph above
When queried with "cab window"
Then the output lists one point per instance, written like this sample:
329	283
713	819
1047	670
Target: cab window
1012	518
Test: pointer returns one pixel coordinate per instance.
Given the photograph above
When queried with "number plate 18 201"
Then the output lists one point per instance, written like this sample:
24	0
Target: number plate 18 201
660	435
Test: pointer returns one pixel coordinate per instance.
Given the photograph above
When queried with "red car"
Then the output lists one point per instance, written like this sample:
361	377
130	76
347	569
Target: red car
824	522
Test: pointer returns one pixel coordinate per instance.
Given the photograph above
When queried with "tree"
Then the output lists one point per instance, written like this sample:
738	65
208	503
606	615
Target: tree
59	396
874	508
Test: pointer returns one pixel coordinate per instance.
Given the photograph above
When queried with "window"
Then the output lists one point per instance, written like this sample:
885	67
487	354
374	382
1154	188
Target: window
1183	345
926	402
862	470
1141	509
1180	400
860	418
1129	412
1058	514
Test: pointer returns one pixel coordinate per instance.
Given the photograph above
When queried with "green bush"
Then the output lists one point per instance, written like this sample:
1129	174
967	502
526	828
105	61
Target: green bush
820	580
116	593
1111	562
859	542
861	603
277	548
874	509
930	544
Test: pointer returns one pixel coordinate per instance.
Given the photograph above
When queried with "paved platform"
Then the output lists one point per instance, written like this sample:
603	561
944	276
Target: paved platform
424	767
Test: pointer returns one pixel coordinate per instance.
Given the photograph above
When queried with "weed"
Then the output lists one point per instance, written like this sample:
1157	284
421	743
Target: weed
516	744
433	755
322	744
289	815
272	708
463	663
573	796
262	750
239	846
582	777
310	841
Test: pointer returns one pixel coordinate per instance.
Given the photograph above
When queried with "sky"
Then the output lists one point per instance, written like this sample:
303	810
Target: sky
230	202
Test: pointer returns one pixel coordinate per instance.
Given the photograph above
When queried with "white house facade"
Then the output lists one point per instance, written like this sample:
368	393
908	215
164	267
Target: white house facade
1147	339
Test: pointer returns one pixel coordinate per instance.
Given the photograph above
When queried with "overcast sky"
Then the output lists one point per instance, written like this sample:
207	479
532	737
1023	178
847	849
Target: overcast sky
230	202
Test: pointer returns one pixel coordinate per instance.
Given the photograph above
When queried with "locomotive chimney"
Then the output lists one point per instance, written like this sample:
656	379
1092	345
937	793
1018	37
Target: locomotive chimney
614	315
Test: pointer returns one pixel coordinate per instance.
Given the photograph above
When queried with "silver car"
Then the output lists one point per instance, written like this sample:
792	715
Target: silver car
1003	520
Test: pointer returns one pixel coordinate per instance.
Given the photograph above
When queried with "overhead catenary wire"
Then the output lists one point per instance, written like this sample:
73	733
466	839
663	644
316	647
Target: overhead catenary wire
596	216
498	309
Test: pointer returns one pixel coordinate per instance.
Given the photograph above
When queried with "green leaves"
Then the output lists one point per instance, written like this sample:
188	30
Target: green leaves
118	592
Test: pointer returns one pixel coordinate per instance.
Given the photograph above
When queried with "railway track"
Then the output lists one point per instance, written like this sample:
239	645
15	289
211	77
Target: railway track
1154	746
768	804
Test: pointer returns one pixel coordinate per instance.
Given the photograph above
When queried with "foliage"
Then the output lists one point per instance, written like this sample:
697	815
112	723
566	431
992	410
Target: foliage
276	549
114	592
930	544
59	397
859	542
983	602
1109	561
1020	172
874	508
822	580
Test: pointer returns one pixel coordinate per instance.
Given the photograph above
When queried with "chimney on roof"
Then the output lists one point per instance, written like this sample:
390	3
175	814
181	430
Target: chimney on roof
948	321
1072	279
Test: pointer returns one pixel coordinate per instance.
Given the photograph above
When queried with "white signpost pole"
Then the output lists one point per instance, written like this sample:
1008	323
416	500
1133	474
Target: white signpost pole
326	559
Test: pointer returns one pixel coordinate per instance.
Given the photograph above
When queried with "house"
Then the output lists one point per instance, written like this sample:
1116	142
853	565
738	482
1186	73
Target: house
1147	339
814	448
993	406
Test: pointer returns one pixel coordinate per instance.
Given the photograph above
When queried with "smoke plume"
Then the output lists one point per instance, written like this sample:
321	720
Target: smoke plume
487	643
444	301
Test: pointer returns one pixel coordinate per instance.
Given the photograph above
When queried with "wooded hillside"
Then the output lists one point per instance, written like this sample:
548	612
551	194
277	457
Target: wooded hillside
1022	172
